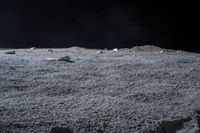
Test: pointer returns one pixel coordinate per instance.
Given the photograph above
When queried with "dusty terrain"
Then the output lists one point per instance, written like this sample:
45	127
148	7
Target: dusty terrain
139	90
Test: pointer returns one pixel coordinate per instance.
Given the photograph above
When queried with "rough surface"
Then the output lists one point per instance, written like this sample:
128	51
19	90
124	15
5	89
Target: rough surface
129	91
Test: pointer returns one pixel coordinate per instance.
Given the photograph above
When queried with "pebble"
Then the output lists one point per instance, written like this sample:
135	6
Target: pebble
11	52
66	59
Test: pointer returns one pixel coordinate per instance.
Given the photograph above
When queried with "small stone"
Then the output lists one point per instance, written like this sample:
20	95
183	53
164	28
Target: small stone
115	50
198	58
66	59
192	69
11	52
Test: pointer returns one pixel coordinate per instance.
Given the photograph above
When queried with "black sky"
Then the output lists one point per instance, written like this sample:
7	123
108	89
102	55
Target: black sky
99	24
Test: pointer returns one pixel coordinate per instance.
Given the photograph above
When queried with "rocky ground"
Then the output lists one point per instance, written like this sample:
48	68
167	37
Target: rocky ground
140	90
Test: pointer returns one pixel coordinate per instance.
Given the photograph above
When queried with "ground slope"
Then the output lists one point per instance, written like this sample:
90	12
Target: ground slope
143	89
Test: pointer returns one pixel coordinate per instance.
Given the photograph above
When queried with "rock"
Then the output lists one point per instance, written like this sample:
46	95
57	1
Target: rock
12	68
11	52
51	59
49	50
33	48
146	48
115	50
99	131
161	51
178	51
60	130
66	59
129	50
99	52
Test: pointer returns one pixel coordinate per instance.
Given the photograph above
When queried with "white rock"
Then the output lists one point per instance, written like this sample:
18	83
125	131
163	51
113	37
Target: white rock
161	51
33	48
115	49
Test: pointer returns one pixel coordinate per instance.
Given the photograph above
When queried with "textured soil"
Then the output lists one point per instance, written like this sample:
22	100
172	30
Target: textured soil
139	90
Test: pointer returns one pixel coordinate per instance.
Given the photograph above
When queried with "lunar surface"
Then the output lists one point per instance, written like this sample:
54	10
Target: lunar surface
144	89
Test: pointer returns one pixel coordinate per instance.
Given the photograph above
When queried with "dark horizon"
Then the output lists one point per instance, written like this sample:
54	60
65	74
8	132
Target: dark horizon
99	24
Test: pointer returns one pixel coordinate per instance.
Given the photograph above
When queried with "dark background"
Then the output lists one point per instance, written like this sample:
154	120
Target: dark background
99	24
